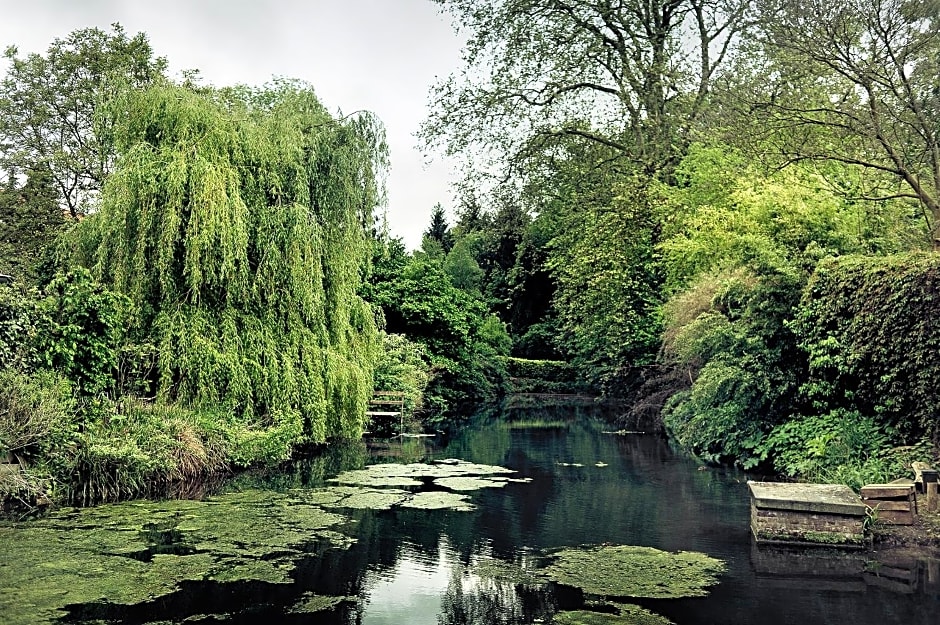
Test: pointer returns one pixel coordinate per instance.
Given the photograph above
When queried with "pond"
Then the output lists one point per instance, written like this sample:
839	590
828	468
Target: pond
535	516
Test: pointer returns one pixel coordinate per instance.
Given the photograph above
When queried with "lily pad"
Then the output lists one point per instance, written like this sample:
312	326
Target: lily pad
628	571
629	615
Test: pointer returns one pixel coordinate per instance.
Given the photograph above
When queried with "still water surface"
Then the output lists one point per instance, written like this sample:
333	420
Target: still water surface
423	566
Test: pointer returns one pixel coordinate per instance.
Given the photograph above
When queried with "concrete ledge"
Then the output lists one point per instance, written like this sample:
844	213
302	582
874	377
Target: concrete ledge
813	498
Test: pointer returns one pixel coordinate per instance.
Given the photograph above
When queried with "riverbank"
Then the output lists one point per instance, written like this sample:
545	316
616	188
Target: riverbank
922	536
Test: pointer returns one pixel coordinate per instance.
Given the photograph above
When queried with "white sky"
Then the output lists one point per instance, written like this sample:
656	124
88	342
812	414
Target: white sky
377	55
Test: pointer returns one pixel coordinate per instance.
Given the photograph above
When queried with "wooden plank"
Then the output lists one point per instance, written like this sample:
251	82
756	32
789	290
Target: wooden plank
886	491
882	505
382	413
895	517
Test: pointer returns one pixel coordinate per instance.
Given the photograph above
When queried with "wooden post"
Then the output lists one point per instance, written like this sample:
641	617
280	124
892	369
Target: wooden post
927	481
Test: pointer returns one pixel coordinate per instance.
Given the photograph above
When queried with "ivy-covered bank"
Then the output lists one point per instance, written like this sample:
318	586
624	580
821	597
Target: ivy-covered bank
855	400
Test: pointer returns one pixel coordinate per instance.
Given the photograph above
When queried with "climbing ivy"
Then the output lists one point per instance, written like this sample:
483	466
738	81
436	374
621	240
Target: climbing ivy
868	325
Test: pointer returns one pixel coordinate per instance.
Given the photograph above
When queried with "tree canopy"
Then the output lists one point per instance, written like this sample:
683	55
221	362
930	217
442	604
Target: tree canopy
852	82
631	75
50	117
236	222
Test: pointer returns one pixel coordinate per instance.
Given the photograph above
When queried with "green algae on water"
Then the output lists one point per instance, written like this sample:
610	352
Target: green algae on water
439	500
513	573
311	602
367	498
629	615
138	551
377	475
401	474
465	483
629	571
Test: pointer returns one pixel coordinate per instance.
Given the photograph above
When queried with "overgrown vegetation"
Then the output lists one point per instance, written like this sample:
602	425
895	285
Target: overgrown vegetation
207	313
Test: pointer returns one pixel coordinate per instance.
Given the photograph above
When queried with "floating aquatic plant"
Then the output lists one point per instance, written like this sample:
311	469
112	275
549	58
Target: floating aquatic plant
628	571
400	474
367	498
466	483
311	602
138	551
439	500
629	615
451	474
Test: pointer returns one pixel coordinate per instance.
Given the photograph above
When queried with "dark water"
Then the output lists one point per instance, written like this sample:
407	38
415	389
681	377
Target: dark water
418	566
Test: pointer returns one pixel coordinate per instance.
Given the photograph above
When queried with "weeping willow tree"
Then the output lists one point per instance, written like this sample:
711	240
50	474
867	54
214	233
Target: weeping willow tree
237	221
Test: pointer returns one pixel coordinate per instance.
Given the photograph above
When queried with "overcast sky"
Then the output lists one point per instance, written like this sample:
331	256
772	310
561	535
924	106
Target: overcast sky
378	55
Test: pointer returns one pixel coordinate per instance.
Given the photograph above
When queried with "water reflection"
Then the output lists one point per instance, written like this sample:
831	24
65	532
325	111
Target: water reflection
468	568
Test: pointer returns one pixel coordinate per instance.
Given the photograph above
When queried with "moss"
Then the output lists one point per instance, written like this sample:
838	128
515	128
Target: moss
825	538
137	551
310	603
832	538
629	615
627	571
439	500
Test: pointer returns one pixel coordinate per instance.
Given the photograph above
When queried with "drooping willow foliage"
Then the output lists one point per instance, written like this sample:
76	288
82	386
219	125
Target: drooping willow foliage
237	222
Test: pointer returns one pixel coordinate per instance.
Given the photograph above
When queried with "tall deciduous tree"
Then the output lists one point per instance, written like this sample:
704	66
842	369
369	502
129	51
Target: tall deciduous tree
236	222
630	74
856	82
49	107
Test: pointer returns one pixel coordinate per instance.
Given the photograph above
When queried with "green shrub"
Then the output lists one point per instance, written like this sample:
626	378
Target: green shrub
731	335
80	331
542	376
30	407
869	328
841	447
18	318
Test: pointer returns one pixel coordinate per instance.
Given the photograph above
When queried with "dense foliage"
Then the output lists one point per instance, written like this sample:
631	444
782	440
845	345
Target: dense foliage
208	311
868	328
424	302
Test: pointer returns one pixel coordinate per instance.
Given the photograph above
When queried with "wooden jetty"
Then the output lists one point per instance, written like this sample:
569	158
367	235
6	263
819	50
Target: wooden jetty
829	515
383	420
